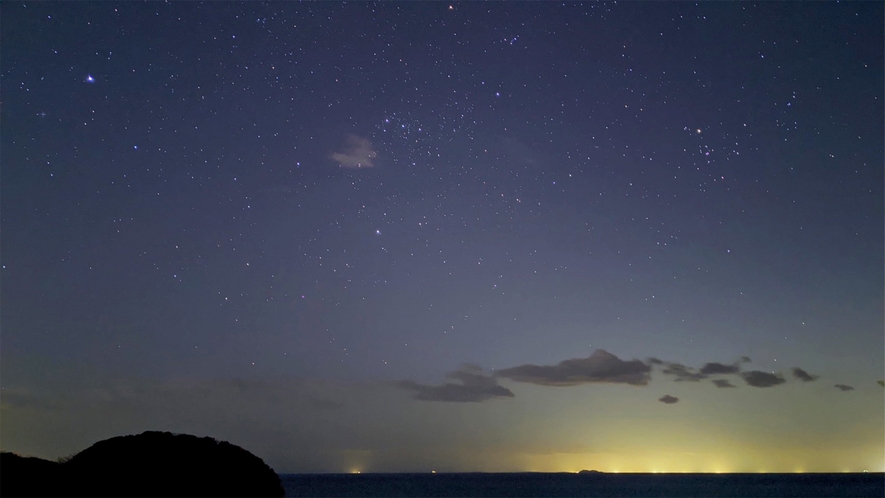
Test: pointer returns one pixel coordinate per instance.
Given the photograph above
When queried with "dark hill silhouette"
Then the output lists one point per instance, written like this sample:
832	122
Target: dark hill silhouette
156	464
29	476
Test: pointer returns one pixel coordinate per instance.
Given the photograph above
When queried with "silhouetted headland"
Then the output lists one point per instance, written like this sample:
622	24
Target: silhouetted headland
148	464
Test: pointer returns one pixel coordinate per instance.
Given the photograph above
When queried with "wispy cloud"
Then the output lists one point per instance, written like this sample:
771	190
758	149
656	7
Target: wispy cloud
844	387
757	378
803	375
471	384
474	386
723	383
358	153
714	368
599	367
667	399
683	373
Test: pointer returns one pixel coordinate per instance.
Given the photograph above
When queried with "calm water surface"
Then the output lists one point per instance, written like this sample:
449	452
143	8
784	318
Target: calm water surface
607	485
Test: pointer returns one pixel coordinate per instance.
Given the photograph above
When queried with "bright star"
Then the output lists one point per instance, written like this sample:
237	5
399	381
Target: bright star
90	79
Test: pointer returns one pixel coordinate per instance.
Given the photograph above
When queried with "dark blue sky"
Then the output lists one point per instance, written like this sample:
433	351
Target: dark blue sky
398	213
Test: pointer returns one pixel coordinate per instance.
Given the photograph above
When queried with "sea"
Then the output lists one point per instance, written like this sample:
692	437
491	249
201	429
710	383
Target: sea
593	484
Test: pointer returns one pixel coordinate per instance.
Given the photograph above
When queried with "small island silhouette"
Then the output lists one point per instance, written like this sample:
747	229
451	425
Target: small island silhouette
147	464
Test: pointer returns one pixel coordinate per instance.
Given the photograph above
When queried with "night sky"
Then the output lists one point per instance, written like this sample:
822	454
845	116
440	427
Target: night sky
468	237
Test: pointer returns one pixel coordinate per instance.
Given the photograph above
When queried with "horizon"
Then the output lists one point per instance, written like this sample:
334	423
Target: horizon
486	237
569	473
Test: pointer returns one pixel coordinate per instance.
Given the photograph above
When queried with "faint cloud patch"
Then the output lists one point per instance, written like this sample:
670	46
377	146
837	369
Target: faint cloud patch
757	378
599	367
723	383
668	400
683	373
803	375
473	386
358	153
844	387
714	368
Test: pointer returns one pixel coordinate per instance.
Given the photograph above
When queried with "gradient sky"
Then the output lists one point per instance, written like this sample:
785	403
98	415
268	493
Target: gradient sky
460	237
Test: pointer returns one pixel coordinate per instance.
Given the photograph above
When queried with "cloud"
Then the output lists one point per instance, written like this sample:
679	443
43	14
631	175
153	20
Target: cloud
723	383
745	359
758	378
599	367
683	373
667	399
475	386
719	368
803	375
843	387
358	153
881	382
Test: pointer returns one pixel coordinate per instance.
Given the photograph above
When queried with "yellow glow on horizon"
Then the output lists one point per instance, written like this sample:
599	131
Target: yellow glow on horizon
720	452
682	465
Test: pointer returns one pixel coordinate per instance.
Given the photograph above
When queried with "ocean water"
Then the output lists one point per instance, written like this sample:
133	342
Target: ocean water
606	485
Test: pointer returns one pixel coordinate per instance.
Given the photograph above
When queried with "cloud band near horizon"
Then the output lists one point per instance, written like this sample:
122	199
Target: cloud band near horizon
601	367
